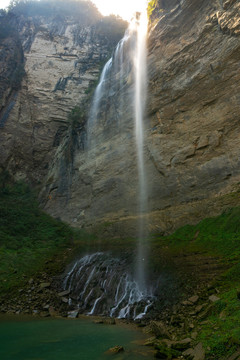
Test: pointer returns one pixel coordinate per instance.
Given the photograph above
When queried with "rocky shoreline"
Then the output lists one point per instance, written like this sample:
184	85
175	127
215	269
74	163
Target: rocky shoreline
173	333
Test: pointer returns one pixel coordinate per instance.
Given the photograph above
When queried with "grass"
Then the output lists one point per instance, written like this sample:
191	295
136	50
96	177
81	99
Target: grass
218	236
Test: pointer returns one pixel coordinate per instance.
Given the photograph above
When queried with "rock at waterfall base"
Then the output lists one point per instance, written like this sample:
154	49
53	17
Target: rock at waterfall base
115	350
198	353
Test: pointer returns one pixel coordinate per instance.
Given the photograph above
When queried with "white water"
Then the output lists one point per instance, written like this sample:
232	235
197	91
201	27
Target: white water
140	92
98	94
100	284
128	59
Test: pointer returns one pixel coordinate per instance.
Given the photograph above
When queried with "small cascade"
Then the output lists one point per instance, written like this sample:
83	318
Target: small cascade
100	284
98	95
112	80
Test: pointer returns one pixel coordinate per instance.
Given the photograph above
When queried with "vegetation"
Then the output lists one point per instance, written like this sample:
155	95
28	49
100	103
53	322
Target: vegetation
152	6
111	27
28	236
84	11
218	237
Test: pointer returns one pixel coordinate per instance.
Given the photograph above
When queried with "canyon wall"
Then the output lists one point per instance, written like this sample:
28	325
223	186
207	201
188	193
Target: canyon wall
192	126
60	58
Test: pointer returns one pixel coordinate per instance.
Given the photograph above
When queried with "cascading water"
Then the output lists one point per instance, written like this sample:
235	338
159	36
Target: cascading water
98	284
99	92
140	63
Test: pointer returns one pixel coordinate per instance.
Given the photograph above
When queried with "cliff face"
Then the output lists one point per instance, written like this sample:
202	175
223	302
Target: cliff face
194	53
191	128
62	61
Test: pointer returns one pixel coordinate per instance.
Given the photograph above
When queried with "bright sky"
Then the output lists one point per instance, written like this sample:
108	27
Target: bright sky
4	3
124	8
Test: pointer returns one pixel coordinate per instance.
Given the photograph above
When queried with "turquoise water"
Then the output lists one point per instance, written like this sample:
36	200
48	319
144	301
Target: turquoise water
67	339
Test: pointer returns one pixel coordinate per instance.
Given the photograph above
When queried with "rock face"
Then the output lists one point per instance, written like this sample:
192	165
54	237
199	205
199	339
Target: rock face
63	58
191	128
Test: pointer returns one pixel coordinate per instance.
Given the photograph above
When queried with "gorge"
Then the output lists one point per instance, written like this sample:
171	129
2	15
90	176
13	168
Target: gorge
191	164
74	102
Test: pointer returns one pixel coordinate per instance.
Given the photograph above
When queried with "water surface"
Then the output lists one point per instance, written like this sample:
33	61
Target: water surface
67	339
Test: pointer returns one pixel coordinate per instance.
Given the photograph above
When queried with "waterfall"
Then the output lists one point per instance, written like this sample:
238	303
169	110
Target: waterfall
98	94
140	70
123	80
101	284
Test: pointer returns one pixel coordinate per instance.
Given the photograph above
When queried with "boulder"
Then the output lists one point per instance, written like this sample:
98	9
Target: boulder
115	350
159	329
64	293
73	314
214	298
197	353
44	285
194	299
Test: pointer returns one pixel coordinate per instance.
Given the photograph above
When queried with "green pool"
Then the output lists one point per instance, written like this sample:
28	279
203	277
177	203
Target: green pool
67	339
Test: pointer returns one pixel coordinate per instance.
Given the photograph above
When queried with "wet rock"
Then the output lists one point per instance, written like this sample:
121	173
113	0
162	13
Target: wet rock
64	300
214	298
206	312
186	303
52	311
198	353
73	314
44	285
115	350
150	342
194	299
159	329
199	308
182	344
64	293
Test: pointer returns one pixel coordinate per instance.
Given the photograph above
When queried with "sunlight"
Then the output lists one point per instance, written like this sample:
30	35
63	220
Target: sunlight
4	4
123	8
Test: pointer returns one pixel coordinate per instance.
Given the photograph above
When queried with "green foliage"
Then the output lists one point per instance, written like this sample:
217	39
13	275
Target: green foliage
28	236
152	6
111	27
218	237
84	11
77	115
